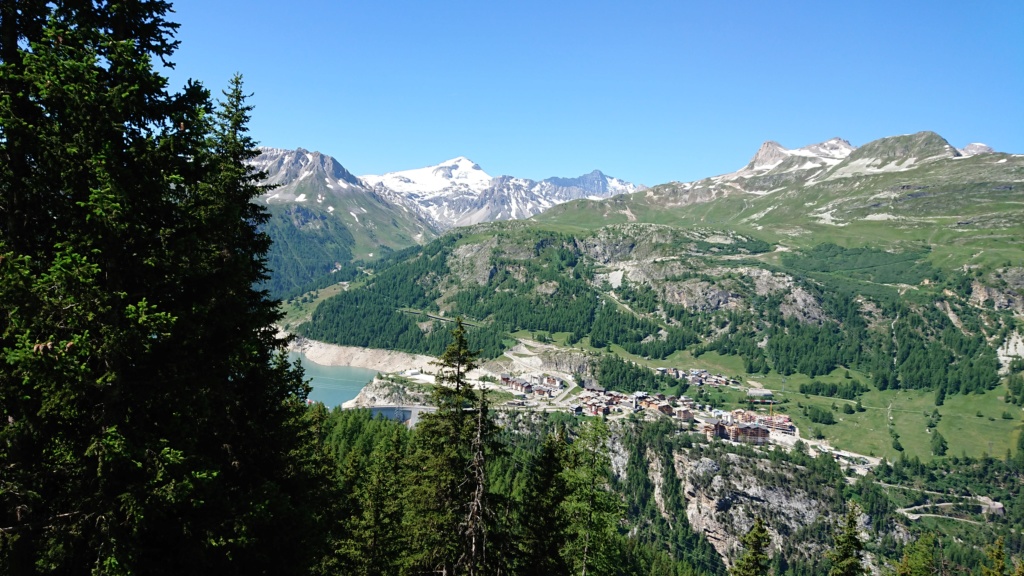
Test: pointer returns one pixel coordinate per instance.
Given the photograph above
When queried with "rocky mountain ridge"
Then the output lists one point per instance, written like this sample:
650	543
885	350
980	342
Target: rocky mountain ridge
454	193
458	192
323	217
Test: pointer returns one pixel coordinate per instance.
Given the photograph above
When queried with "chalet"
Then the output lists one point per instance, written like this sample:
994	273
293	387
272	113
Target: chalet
552	381
665	408
684	414
714	428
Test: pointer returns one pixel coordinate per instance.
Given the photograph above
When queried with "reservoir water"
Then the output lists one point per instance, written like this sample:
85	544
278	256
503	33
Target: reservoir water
333	385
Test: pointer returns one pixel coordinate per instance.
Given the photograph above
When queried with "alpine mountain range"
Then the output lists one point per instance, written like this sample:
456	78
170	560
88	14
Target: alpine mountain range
323	217
457	192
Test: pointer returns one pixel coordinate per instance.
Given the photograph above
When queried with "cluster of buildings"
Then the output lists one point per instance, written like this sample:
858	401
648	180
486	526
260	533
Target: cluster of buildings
539	386
739	425
746	426
599	402
698	377
778	422
681	408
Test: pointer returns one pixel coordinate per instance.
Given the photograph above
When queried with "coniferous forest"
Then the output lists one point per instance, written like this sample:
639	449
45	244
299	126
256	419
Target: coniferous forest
151	423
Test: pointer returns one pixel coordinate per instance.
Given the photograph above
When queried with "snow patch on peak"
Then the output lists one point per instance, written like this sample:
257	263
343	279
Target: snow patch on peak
460	173
833	148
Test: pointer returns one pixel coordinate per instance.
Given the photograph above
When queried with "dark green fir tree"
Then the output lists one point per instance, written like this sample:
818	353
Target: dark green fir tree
152	423
755	560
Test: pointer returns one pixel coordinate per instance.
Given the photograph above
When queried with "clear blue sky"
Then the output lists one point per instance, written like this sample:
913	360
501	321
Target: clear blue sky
645	91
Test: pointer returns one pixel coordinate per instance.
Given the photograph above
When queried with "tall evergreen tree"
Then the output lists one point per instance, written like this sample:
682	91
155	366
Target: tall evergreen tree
755	560
541	525
938	444
995	559
591	512
920	558
449	514
151	423
845	553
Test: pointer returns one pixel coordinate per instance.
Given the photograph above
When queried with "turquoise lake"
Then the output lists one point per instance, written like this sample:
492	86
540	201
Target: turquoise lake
333	385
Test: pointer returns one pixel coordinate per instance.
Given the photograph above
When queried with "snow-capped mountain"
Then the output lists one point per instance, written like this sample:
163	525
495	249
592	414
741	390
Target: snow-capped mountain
294	172
454	177
458	192
772	156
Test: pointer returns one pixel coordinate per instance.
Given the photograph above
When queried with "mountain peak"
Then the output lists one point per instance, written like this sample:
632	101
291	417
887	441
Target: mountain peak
462	161
976	148
834	148
286	166
920	146
460	174
769	155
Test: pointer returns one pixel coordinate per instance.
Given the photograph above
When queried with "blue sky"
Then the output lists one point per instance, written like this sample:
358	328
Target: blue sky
645	91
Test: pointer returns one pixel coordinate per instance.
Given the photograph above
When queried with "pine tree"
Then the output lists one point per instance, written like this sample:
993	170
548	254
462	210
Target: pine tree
995	557
374	542
591	512
449	515
540	526
755	560
938	444
845	554
153	423
919	558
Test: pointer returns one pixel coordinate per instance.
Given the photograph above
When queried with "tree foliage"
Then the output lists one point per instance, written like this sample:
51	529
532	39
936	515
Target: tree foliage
151	425
755	560
845	555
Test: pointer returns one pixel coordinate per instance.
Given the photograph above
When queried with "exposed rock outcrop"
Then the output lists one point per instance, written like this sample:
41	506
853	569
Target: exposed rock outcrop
384	392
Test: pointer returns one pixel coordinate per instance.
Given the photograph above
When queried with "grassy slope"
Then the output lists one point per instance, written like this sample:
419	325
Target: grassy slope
969	210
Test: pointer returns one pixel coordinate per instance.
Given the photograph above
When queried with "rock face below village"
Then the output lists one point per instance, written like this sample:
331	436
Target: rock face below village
724	496
384	392
725	492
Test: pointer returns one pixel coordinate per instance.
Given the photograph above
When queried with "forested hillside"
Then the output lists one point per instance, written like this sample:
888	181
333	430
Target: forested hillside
660	293
639	496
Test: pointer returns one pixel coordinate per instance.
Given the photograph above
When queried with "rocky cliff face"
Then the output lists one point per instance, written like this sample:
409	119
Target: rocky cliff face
726	492
385	392
1005	299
